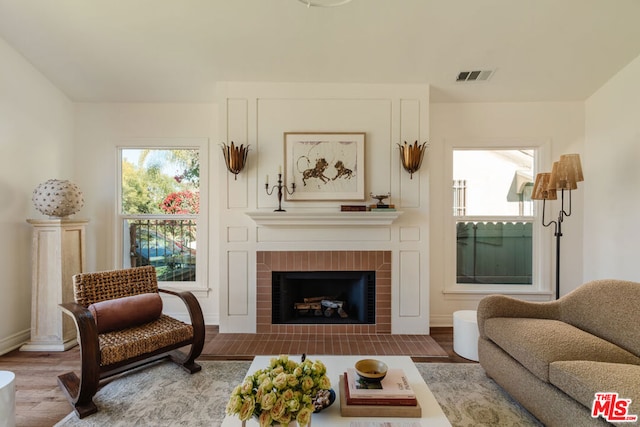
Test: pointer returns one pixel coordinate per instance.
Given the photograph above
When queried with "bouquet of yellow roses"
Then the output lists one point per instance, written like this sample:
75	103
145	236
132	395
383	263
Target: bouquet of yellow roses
281	393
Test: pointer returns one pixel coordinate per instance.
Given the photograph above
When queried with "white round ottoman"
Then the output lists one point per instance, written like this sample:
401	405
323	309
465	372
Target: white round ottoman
465	334
7	399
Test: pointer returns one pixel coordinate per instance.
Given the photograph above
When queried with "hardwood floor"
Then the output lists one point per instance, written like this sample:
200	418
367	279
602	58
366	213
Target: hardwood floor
39	401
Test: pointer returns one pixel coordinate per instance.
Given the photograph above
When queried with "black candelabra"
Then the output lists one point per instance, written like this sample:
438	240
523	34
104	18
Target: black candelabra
280	187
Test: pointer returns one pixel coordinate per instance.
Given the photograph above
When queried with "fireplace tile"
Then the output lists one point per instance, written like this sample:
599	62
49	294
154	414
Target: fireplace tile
269	261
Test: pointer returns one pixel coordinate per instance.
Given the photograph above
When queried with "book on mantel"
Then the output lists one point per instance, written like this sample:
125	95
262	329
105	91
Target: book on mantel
393	390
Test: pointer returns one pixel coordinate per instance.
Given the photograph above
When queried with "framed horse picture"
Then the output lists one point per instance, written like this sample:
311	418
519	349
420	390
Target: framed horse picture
325	165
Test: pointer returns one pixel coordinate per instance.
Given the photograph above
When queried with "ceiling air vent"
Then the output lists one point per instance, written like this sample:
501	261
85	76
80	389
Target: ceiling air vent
474	76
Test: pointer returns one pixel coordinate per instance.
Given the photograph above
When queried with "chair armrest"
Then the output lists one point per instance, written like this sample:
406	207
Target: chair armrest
195	314
505	306
89	350
85	324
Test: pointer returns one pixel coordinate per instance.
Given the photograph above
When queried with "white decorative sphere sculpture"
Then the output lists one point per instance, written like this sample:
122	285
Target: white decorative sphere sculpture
57	198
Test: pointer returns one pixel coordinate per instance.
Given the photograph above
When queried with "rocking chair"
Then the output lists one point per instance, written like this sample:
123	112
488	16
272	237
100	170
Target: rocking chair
120	327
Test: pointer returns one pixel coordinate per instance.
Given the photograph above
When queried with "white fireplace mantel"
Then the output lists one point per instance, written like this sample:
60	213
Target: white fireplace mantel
322	218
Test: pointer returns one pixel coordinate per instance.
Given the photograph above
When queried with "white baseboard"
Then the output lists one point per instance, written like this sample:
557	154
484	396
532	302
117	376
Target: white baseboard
441	321
14	341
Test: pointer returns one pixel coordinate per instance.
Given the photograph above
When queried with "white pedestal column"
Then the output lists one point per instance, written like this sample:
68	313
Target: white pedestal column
58	253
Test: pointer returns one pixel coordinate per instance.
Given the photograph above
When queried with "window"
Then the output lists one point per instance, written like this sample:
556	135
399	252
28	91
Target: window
159	211
493	216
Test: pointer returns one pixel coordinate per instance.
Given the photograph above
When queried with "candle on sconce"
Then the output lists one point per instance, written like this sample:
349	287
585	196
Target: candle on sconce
280	169
266	180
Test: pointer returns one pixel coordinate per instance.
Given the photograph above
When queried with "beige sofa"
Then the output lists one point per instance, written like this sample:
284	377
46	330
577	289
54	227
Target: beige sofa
553	357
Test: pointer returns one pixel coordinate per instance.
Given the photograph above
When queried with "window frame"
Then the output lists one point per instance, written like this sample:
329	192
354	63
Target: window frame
541	279
200	144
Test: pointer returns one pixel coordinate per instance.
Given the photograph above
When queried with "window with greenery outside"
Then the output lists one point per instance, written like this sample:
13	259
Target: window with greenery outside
160	203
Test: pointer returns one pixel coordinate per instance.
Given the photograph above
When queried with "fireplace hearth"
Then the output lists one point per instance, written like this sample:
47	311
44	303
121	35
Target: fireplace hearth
323	297
378	262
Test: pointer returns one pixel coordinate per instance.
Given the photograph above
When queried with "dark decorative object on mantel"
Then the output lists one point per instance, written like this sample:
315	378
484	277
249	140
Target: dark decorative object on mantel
280	186
380	198
411	156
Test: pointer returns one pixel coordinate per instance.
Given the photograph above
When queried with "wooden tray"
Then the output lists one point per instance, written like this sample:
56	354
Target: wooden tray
376	411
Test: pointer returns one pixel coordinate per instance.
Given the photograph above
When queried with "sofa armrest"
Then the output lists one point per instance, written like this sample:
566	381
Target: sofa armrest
505	306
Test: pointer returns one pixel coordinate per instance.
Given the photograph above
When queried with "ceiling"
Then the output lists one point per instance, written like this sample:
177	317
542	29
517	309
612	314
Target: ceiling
177	50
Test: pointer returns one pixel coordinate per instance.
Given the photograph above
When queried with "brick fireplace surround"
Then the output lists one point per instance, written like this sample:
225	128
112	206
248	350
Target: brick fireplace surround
378	261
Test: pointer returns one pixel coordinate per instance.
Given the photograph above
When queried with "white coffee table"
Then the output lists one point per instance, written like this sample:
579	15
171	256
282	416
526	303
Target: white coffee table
432	415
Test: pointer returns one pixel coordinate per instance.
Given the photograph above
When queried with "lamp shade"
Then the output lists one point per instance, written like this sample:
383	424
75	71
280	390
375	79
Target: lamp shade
541	190
573	167
559	179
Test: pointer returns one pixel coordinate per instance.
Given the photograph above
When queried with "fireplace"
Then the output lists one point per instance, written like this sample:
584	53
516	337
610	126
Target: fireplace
376	265
323	297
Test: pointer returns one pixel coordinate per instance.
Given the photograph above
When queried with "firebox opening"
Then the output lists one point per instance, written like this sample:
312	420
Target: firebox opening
312	297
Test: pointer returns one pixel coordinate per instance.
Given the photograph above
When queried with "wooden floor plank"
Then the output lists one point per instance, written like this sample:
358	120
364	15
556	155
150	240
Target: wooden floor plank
40	403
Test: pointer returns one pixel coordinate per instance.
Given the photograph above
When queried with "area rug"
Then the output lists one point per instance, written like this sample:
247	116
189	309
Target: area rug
165	395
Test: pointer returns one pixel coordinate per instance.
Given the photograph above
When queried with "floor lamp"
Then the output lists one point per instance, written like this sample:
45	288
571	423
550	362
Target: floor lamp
564	176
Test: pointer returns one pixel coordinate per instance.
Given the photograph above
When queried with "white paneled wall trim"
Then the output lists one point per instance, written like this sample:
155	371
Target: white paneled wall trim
259	114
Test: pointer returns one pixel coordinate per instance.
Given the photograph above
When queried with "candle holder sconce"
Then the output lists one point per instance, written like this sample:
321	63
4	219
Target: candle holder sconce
235	157
280	187
411	156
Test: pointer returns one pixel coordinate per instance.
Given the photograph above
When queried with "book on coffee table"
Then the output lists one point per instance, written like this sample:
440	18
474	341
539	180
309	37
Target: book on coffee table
375	399
395	385
375	410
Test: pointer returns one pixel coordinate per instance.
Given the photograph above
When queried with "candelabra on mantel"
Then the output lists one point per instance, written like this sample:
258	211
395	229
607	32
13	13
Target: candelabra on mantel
565	175
280	186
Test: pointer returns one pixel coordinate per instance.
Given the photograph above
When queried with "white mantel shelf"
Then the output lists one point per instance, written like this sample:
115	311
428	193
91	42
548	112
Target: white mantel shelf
322	218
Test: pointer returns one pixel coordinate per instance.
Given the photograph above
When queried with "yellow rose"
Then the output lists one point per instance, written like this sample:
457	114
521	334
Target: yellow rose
292	380
248	405
247	386
304	417
319	367
280	381
265	419
266	384
287	394
324	383
293	405
278	409
234	404
268	400
306	383
284	419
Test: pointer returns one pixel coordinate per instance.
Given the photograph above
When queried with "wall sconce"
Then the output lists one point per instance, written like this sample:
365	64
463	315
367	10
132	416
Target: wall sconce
411	156
565	175
235	157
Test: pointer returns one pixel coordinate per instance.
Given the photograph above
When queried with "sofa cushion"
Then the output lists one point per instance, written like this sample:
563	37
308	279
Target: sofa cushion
535	343
121	313
582	379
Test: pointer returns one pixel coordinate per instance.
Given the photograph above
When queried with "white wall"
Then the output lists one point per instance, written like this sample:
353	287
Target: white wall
36	137
100	129
259	114
612	178
559	124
